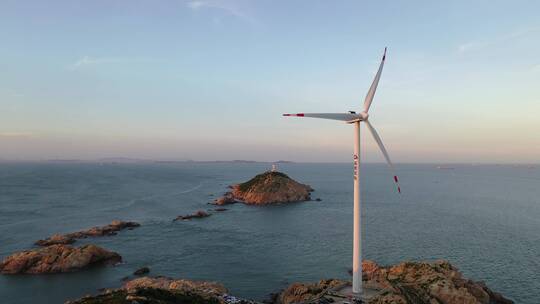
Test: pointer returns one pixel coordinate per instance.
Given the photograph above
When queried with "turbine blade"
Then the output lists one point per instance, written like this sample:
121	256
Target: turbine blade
333	116
384	152
373	88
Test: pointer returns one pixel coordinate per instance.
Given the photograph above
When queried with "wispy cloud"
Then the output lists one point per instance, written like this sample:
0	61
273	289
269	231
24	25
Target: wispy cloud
90	61
227	6
465	47
87	61
501	39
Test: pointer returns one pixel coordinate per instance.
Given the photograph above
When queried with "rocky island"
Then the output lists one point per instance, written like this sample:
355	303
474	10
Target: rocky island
57	258
405	283
271	187
198	214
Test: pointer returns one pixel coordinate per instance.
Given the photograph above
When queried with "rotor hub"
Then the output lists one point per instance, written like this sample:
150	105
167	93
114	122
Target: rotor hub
364	115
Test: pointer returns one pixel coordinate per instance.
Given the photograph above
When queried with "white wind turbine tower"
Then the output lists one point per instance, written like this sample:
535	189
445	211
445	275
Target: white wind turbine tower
354	118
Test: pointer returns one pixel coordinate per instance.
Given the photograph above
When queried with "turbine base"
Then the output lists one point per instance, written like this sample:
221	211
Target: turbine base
344	294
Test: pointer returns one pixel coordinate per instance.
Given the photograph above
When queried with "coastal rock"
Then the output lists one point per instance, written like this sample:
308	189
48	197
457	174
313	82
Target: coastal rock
146	296
226	199
303	293
198	214
201	287
141	271
56	239
408	283
269	188
57	258
69	238
163	290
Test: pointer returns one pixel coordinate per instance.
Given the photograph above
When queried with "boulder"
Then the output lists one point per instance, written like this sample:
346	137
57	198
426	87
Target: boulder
141	271
57	258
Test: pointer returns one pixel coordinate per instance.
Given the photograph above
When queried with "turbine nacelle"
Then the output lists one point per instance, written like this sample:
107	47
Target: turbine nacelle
363	116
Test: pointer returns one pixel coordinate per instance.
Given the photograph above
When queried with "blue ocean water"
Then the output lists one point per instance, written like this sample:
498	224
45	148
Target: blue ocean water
485	219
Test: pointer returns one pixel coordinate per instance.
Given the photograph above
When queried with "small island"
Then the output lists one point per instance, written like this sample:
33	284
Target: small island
271	187
70	238
198	214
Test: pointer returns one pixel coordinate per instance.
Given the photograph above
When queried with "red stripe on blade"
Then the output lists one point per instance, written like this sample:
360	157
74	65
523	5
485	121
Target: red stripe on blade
398	189
395	178
300	114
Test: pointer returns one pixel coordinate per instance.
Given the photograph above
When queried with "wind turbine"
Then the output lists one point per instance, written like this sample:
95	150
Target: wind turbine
355	119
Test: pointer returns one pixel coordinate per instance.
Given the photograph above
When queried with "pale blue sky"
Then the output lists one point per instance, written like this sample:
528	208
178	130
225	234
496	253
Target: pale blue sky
209	79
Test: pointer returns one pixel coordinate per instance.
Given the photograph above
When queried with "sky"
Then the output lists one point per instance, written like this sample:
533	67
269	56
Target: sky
209	79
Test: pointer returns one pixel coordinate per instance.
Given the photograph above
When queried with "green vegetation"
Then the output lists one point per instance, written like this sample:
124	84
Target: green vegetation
277	179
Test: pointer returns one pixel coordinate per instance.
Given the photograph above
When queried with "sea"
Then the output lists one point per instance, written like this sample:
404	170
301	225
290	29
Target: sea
484	219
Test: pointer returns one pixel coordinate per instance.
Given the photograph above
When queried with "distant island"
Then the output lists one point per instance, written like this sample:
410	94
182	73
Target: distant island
129	160
271	187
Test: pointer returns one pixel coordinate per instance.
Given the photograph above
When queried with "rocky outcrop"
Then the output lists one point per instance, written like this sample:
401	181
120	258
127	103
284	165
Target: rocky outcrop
56	239
57	258
302	293
146	296
200	287
69	238
226	199
407	283
141	271
162	290
198	214
271	187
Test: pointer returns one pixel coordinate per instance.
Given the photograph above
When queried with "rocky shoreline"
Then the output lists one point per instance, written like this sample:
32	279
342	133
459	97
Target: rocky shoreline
406	283
56	255
436	282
